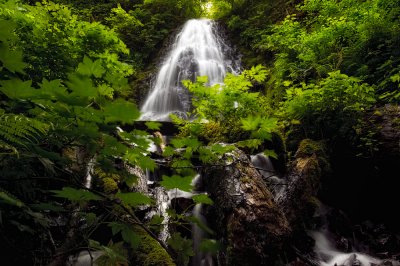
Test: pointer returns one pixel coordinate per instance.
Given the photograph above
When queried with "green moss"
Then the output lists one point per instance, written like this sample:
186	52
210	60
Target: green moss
109	185
308	147
150	252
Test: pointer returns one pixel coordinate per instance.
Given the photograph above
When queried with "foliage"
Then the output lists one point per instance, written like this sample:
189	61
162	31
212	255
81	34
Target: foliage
182	246
231	104
335	103
54	40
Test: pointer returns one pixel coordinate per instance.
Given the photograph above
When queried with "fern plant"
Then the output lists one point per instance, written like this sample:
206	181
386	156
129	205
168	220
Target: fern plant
18	131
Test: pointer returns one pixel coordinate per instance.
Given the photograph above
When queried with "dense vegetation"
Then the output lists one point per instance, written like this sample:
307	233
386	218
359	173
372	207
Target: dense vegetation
68	73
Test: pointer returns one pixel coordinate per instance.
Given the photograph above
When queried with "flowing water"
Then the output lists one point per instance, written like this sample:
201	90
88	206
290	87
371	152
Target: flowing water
264	165
196	51
330	256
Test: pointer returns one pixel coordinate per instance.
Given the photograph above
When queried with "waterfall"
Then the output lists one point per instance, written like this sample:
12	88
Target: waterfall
264	165
197	51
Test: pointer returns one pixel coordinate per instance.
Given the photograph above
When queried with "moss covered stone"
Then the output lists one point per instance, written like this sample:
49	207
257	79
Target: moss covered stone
150	252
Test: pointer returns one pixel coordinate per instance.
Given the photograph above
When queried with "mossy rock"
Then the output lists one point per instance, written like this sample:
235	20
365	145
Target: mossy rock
308	148
150	252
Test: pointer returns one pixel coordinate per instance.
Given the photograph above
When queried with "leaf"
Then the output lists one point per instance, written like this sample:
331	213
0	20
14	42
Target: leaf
176	181
12	59
202	198
121	111
52	88
89	68
17	89
271	153
130	180
152	125
168	151
249	143
127	233
81	86
210	245
7	28
182	246
105	90
10	200
90	218
250	123
134	199
73	194
135	157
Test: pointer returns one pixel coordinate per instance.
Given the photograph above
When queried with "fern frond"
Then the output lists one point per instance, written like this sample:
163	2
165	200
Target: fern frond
10	199
18	130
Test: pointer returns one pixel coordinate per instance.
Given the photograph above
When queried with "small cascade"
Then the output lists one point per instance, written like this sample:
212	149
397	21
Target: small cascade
88	177
197	51
330	256
162	203
264	165
200	258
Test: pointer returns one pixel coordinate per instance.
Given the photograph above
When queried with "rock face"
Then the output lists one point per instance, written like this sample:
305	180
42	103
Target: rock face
251	226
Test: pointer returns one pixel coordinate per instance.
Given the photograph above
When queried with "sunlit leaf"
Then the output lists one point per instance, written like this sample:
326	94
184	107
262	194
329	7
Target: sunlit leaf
271	153
89	68
183	183
121	111
134	199
152	125
73	194
202	198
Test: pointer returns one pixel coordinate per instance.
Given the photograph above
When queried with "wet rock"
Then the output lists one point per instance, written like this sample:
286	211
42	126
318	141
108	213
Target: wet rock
250	224
299	201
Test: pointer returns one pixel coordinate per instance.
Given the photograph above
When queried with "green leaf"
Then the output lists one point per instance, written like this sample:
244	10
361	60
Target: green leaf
249	143
90	218
134	199
121	111
127	233
10	200
210	245
176	181
105	90
89	68
17	89
130	180
81	86
182	246
73	194
153	125
7	28
12	59
202	198
52	88
250	123
168	151
271	153
135	157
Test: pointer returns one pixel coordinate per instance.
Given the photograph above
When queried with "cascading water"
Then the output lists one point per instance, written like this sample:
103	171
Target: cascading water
329	256
264	165
197	51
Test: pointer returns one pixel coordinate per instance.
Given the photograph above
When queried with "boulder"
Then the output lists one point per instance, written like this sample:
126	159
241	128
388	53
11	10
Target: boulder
250	225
